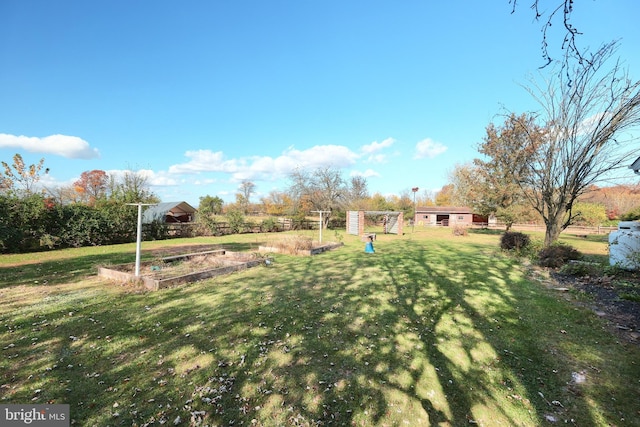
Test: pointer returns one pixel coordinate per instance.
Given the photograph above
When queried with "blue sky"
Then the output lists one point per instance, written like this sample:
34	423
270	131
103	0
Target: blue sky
200	95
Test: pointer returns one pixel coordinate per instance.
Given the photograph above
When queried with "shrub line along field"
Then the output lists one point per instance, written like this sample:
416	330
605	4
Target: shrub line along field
432	329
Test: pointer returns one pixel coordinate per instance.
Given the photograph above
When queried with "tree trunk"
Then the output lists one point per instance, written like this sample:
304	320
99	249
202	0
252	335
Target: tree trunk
553	230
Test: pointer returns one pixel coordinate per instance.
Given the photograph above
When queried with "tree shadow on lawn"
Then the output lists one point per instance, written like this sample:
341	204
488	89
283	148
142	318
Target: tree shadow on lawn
338	339
491	323
368	344
423	314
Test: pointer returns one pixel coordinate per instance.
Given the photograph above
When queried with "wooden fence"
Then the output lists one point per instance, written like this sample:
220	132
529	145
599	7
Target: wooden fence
572	229
175	230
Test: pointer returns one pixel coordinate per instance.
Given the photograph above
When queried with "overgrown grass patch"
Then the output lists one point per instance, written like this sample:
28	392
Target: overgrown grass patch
429	330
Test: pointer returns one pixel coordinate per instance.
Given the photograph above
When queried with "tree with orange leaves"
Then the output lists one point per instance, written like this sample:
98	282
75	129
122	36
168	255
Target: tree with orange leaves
92	185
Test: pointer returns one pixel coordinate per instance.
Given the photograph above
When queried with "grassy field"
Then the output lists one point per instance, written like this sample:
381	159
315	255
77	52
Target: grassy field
432	329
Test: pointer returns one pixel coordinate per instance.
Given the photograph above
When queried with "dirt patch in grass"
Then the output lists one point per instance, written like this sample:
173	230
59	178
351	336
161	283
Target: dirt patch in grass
176	265
182	249
160	269
298	245
612	298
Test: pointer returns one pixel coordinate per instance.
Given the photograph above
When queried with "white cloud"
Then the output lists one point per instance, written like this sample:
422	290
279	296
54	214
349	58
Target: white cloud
207	181
322	155
366	174
204	161
378	158
428	148
266	167
154	179
70	147
49	181
161	180
373	150
376	146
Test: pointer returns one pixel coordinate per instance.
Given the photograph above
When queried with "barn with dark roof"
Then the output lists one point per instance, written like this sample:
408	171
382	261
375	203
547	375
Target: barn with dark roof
169	212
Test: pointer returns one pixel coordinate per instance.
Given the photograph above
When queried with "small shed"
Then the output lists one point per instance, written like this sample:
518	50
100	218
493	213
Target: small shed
447	215
169	212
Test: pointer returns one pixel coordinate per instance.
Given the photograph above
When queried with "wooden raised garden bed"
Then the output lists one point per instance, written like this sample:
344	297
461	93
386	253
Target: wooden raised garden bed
178	269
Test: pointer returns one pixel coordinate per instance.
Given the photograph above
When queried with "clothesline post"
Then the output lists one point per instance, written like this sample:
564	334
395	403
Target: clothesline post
321	212
139	234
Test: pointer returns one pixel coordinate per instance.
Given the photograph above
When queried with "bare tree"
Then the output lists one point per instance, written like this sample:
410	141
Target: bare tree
324	188
358	192
243	197
587	113
64	194
130	187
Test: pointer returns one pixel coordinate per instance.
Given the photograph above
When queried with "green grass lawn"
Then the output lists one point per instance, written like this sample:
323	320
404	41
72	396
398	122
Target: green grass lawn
432	329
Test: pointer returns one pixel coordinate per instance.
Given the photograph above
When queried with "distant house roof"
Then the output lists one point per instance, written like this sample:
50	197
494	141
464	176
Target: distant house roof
160	211
636	166
445	209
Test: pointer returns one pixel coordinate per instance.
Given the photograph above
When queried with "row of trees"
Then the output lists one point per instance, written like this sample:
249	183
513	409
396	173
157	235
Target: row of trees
310	191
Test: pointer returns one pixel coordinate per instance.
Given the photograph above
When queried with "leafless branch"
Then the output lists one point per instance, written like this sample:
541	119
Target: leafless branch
561	10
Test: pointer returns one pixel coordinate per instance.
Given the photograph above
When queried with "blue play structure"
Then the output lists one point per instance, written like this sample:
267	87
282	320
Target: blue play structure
368	247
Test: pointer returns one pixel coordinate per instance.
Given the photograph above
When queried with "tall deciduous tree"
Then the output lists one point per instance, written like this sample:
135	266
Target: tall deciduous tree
587	114
210	205
243	197
131	187
467	188
492	185
277	203
405	204
64	195
444	197
358	192
378	202
92	185
323	188
19	177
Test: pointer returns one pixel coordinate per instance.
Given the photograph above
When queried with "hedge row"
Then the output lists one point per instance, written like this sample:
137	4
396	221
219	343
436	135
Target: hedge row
36	223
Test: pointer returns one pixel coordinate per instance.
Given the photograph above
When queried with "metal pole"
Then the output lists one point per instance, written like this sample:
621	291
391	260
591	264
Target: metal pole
139	234
413	223
320	212
139	239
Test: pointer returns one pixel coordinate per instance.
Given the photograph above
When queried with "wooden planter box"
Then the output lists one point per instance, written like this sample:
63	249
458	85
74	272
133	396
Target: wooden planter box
231	262
303	252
